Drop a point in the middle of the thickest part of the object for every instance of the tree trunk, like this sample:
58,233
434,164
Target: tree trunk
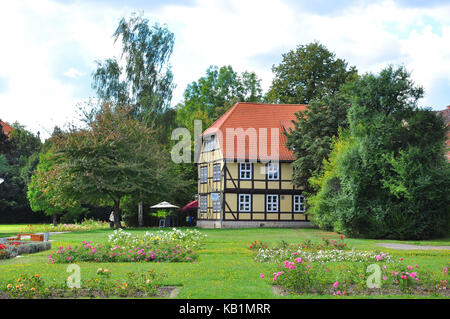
140,215
117,223
55,220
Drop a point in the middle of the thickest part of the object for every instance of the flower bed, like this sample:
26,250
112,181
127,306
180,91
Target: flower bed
271,255
115,253
337,271
162,246
301,277
141,284
85,225
189,239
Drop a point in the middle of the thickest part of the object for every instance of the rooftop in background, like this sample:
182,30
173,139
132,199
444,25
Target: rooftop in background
446,114
6,128
257,116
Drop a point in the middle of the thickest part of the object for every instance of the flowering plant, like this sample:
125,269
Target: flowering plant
189,239
277,255
28,287
258,245
3,254
333,244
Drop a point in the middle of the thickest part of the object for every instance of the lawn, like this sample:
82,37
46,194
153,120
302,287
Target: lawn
225,268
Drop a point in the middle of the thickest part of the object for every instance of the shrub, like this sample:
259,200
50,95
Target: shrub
16,248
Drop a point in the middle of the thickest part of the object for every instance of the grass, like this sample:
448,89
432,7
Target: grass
225,268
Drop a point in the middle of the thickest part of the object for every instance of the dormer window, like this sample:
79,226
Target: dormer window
210,143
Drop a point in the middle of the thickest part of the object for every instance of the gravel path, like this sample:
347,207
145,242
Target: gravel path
411,247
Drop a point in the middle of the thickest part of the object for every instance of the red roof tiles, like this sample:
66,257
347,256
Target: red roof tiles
253,130
6,128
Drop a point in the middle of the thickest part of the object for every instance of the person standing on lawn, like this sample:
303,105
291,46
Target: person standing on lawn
111,220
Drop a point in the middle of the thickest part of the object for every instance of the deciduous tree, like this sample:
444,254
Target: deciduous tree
309,72
113,157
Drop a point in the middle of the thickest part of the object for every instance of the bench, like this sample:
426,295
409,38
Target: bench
33,237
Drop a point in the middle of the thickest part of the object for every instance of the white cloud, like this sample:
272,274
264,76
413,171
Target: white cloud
38,35
73,73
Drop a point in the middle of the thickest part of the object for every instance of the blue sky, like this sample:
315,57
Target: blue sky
49,47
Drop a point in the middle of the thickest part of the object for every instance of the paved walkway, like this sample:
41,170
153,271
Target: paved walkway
411,247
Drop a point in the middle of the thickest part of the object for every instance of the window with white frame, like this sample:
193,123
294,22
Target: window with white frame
216,202
299,204
210,143
203,203
273,171
245,170
272,203
203,174
217,175
245,202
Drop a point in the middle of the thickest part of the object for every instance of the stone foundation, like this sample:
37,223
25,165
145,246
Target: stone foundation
252,224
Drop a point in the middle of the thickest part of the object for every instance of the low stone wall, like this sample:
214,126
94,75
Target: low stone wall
252,224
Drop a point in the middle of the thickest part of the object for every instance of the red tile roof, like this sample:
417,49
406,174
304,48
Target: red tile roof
256,119
6,128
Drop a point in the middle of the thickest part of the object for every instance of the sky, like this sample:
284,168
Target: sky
49,47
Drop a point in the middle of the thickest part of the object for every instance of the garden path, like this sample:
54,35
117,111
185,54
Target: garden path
410,247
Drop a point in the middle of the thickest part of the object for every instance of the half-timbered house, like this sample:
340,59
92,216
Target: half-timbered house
245,170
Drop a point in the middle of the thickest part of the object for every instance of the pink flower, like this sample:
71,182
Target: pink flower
378,257
384,278
69,258
445,269
401,259
261,275
296,253
336,284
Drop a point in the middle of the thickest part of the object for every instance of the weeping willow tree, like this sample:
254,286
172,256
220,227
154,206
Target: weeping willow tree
146,80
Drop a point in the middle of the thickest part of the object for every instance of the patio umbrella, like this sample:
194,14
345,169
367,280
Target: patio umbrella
164,205
191,205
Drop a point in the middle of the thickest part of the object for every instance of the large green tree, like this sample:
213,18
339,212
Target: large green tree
114,157
388,177
309,72
46,188
312,134
20,157
211,95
